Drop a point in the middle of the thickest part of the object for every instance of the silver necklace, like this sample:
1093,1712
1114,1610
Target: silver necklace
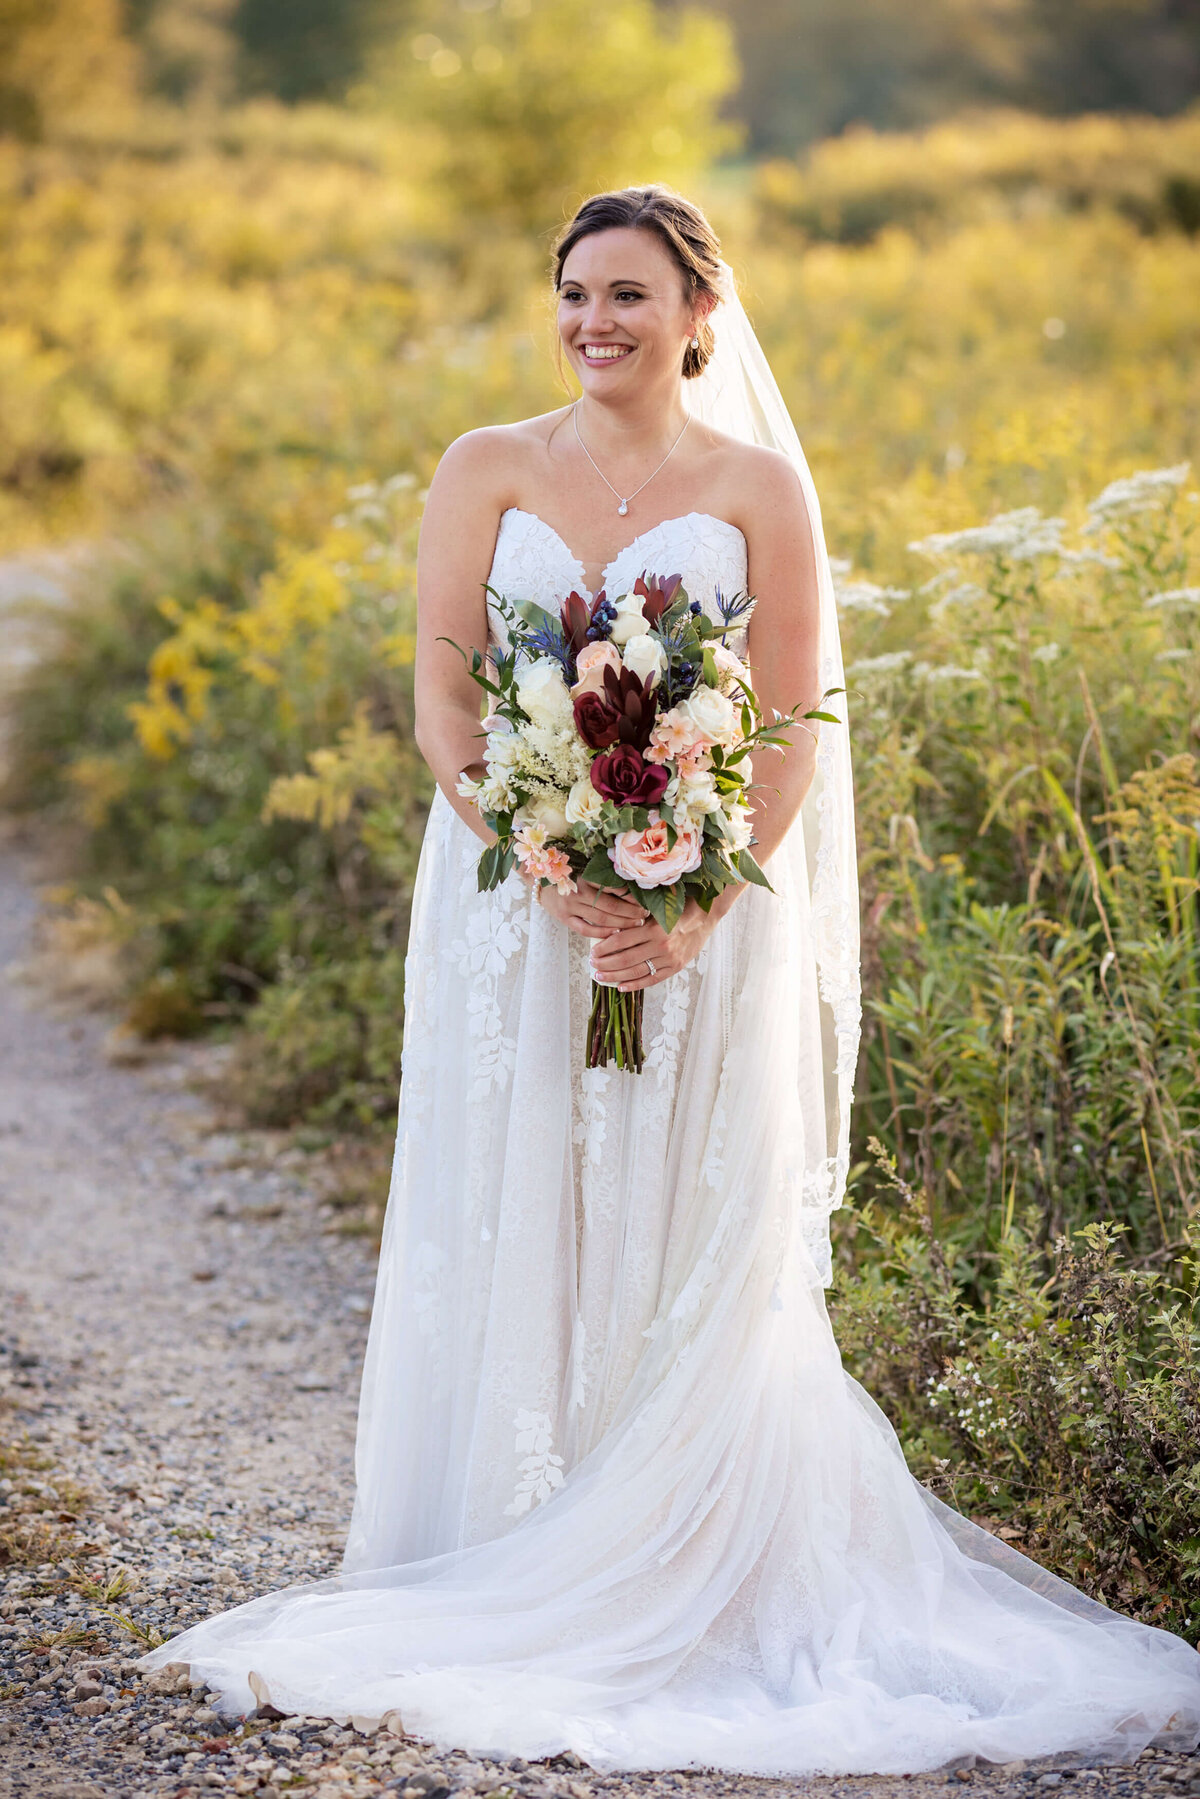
623,508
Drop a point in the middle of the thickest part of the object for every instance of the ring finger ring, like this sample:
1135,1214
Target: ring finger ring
650,966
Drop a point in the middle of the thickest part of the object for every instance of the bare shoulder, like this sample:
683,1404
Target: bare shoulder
760,481
490,460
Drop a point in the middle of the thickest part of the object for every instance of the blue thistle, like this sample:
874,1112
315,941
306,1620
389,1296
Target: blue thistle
733,611
548,640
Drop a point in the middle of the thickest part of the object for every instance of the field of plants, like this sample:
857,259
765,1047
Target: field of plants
232,347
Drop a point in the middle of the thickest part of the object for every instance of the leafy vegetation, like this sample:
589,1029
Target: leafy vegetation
233,342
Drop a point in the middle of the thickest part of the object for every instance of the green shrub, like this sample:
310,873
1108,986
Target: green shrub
1062,1408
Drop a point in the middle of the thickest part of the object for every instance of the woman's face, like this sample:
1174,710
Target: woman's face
622,315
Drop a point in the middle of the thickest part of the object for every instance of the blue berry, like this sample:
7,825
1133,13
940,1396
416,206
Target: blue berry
695,608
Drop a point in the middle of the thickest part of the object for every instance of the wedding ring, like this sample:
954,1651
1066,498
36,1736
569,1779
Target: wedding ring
650,966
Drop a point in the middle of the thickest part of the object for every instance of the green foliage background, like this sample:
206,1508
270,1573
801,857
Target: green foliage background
253,281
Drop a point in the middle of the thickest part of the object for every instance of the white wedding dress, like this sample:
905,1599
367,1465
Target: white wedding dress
616,1493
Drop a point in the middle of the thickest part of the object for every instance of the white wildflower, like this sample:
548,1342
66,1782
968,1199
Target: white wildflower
1144,491
1176,596
1047,652
947,671
1088,558
880,665
963,593
1019,535
867,596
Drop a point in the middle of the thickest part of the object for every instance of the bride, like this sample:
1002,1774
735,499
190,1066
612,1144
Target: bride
616,1493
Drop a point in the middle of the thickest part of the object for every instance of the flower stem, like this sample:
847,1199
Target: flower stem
615,1029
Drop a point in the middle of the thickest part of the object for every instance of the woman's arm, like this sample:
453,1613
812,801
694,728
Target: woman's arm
454,557
783,650
784,672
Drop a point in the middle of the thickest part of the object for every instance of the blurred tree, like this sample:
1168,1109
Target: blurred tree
189,52
811,67
58,57
534,103
312,49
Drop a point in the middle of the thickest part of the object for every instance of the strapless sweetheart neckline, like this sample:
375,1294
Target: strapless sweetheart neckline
641,537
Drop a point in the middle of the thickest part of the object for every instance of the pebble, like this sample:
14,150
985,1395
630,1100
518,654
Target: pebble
210,1424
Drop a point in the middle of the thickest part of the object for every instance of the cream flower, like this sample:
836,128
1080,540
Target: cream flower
584,805
698,793
543,694
630,621
503,751
729,668
644,656
550,814
741,827
712,713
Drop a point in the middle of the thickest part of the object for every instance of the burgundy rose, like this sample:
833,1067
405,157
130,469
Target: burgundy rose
597,720
625,777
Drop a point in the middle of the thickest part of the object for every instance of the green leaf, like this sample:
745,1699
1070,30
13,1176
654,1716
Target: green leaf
710,667
600,871
654,900
489,874
676,900
748,868
536,615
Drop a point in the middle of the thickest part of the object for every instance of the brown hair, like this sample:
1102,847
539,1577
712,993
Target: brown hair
681,226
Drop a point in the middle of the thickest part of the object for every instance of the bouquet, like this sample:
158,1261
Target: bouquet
618,751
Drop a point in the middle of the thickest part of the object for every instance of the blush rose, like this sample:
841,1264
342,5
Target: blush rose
645,857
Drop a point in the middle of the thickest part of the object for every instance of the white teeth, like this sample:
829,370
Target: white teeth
605,353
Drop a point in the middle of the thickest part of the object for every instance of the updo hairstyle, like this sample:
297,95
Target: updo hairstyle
681,226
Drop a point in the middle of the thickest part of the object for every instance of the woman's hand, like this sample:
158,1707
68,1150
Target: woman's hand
592,911
623,957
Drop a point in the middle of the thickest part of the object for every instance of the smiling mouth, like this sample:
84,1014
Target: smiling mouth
605,352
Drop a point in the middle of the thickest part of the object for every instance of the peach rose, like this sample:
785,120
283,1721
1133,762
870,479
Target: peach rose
590,665
645,858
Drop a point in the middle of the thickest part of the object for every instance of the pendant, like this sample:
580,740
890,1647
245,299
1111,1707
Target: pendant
623,508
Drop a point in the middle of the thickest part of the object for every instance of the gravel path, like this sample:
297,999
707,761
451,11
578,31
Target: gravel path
180,1338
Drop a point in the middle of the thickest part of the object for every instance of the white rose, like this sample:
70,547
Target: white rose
543,694
584,804
711,713
550,813
630,620
644,656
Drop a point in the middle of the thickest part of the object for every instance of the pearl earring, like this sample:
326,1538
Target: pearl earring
695,343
